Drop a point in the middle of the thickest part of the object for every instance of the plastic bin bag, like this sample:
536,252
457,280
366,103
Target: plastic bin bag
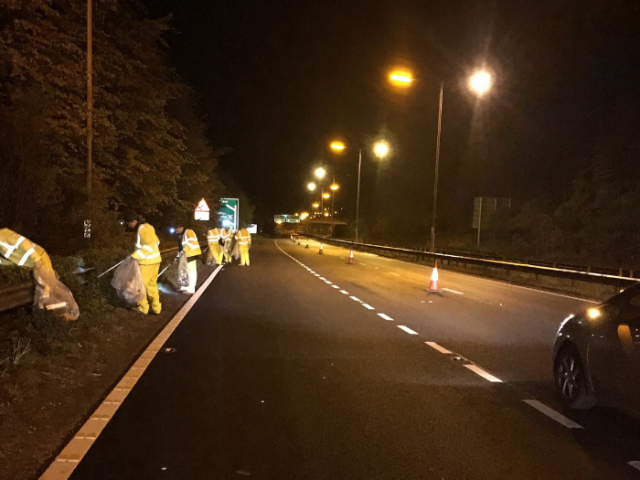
183,272
127,280
236,251
51,294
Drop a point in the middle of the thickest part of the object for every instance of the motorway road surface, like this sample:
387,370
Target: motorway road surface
304,367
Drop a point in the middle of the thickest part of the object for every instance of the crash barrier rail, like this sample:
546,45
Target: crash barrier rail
20,294
574,274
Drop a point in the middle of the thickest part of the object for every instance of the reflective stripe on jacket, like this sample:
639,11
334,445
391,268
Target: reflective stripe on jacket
227,234
17,249
190,243
214,235
147,244
244,237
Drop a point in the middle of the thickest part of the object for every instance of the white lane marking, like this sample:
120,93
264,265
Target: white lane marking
316,274
335,286
394,273
483,373
321,278
635,464
328,282
367,306
541,407
355,299
344,292
385,316
437,347
407,329
363,264
69,458
453,291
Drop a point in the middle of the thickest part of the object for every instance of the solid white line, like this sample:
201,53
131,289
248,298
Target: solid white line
344,292
484,374
355,299
541,407
407,329
635,464
367,306
69,458
452,291
437,347
555,294
385,316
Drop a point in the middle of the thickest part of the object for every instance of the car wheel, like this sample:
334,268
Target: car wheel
570,379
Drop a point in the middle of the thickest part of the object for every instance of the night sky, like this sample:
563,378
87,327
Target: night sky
276,80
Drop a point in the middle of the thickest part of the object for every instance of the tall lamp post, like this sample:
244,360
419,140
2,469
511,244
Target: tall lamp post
479,83
380,149
334,187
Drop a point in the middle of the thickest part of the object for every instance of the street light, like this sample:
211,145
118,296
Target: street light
380,150
479,83
337,146
311,186
320,173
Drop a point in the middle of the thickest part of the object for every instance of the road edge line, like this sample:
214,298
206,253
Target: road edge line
74,451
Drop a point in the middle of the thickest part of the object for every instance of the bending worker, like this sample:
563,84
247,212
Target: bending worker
148,256
22,252
244,242
214,237
227,239
188,243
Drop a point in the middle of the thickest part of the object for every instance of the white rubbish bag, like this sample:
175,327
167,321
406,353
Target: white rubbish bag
51,294
127,280
183,272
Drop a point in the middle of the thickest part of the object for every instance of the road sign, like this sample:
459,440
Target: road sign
202,211
229,212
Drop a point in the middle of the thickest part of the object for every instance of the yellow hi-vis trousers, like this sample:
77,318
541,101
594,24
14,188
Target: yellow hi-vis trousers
150,280
244,254
216,251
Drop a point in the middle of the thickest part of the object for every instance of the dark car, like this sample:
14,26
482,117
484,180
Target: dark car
596,356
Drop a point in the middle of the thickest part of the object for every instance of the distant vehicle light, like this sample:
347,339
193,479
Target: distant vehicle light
593,313
172,230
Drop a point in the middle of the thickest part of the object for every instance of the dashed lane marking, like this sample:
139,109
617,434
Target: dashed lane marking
355,299
483,373
385,316
635,465
407,329
549,412
344,292
453,291
73,453
367,306
439,348
335,286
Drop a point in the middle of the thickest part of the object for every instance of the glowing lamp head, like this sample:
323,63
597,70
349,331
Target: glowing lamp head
400,78
337,146
311,186
320,172
326,196
334,187
316,205
381,149
480,82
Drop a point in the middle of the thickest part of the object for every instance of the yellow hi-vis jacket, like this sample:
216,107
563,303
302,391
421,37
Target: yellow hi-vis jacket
147,245
18,250
227,233
190,244
214,235
243,236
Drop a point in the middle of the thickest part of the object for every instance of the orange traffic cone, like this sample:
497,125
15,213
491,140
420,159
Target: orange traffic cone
433,286
320,251
307,243
298,241
351,257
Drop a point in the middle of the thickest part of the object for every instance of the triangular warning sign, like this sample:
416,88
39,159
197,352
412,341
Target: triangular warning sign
202,206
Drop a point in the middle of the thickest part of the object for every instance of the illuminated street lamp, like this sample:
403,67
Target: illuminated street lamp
311,186
337,146
479,83
326,196
380,149
316,205
320,173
